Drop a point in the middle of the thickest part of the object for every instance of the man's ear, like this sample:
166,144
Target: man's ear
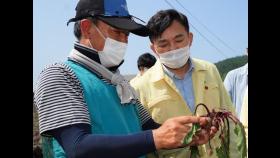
85,26
190,38
152,46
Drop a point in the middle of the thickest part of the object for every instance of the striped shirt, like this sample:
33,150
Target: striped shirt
59,99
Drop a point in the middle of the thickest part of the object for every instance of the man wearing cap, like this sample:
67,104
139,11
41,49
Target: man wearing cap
88,107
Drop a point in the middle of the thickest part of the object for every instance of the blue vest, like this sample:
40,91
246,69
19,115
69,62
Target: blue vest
107,114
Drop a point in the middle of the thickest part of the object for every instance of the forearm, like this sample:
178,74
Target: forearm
79,143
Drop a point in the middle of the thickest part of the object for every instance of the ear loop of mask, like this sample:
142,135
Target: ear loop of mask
90,44
98,32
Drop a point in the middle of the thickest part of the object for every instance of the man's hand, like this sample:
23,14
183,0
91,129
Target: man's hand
204,135
173,131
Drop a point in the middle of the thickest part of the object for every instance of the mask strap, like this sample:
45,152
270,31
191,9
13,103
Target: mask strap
99,31
90,44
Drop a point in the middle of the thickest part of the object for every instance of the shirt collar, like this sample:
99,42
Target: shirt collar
172,75
158,72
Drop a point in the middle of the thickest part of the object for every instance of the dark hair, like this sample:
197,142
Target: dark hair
163,19
146,60
77,28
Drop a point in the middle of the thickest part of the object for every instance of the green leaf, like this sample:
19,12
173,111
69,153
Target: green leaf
236,131
194,152
189,136
221,152
241,140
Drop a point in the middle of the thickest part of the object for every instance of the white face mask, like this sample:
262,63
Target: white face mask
175,58
113,51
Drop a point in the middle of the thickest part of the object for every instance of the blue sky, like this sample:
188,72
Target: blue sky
227,19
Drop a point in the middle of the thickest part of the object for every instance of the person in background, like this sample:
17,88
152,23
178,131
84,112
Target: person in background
144,62
236,83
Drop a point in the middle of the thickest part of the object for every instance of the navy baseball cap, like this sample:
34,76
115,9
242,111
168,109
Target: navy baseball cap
112,12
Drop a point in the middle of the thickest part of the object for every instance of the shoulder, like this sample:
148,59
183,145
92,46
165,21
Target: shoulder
238,71
56,70
133,81
202,65
56,77
144,79
58,97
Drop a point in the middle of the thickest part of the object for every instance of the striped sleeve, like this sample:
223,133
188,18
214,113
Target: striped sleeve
59,99
143,113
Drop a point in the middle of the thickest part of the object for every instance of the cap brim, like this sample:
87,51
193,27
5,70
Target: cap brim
127,24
